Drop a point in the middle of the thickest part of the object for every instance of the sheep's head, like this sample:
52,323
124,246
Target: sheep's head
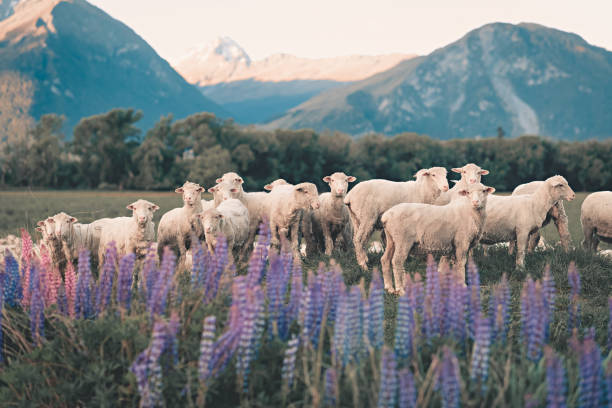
277,182
437,175
233,180
142,211
338,183
470,173
560,189
224,191
306,195
192,193
47,230
477,193
211,223
62,225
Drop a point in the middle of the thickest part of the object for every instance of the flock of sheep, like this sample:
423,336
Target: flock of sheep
416,216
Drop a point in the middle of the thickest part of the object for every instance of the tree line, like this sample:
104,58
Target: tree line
110,151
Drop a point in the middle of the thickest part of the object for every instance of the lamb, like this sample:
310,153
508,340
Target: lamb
285,204
556,214
470,174
217,198
175,226
230,219
331,220
596,219
131,234
451,229
514,218
277,182
368,200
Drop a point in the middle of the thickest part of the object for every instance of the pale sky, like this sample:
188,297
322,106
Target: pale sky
326,28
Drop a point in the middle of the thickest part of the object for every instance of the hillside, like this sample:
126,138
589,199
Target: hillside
526,78
80,61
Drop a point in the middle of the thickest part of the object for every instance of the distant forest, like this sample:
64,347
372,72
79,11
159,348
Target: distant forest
109,151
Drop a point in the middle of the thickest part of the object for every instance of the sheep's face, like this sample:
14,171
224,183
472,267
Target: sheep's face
306,195
47,229
142,211
62,225
338,183
211,222
192,193
477,193
471,173
275,183
233,180
224,191
560,189
437,175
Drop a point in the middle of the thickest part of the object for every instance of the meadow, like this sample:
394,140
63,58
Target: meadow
325,334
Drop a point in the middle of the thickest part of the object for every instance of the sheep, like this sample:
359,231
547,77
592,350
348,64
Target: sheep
75,236
284,205
277,182
470,174
331,220
514,218
556,214
175,226
131,234
230,219
217,198
451,229
596,219
369,199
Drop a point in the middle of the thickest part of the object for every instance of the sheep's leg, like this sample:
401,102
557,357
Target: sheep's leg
347,237
534,239
399,259
511,246
360,240
274,235
385,262
248,245
590,242
460,261
329,243
561,222
522,239
308,234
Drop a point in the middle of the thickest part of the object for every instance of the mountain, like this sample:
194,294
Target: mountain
258,90
526,78
72,58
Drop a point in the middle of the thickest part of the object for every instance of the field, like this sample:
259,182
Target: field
84,359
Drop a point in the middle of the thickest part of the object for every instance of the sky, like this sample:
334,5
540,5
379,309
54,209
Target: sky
327,28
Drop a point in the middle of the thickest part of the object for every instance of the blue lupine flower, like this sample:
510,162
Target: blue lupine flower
37,307
590,388
555,380
404,329
449,380
288,370
499,310
387,393
574,306
83,303
124,281
206,348
407,389
248,332
330,398
104,290
481,352
474,306
610,334
376,311
12,280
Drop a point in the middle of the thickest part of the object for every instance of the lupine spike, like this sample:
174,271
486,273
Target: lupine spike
82,305
105,286
449,380
574,305
288,370
206,348
376,312
404,329
12,280
70,283
248,332
407,389
37,314
387,393
610,334
481,352
590,388
1,333
474,306
124,281
555,380
26,263
331,388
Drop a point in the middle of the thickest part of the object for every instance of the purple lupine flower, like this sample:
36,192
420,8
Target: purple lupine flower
62,300
307,308
474,306
317,305
549,291
206,348
275,291
225,347
481,352
610,334
103,292
447,279
590,388
37,307
292,310
448,379
331,395
12,280
534,318
1,333
354,339
158,299
407,389
197,262
257,262
83,303
288,370
433,300
608,380
338,348
387,393
455,316
376,311
417,294
171,344
499,310
247,341
555,380
574,306
124,281
404,328
336,286
147,369
149,273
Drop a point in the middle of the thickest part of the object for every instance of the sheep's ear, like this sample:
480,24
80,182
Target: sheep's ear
179,190
50,220
490,190
72,219
457,170
239,180
200,189
422,172
212,189
131,207
154,207
327,179
463,192
483,172
268,187
40,223
350,179
219,180
39,229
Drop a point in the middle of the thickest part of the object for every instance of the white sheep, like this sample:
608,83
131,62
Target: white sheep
230,219
368,200
285,204
514,218
175,226
131,234
596,219
446,230
331,221
470,174
277,182
556,214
